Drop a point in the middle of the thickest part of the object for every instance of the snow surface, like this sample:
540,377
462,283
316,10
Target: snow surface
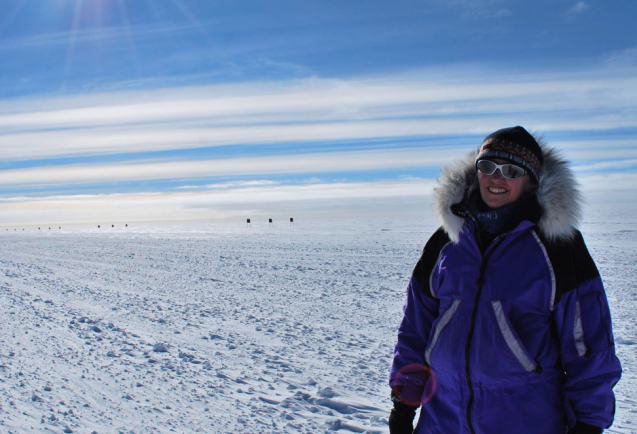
229,329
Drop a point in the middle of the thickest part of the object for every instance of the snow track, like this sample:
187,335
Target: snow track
227,329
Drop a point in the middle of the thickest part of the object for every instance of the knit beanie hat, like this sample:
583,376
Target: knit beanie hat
515,145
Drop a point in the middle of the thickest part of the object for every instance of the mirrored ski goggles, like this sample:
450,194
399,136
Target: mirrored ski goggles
509,171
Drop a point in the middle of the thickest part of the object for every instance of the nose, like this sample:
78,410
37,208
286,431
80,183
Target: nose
497,173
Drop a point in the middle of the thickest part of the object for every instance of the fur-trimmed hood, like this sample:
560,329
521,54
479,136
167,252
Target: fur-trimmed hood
557,194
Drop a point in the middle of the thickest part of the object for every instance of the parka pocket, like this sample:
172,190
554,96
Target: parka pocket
512,340
440,325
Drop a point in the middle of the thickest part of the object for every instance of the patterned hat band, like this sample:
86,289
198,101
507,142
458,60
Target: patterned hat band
520,155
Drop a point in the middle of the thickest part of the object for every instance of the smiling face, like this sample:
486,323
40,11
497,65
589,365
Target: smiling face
498,191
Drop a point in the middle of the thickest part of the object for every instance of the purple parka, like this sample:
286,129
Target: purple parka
514,338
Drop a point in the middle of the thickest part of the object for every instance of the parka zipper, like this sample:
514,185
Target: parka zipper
474,314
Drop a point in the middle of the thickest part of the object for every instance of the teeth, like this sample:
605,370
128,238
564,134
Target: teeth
496,190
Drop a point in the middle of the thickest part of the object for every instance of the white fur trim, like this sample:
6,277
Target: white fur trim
557,193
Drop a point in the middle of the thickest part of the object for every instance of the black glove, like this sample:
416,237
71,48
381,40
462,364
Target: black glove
582,428
401,418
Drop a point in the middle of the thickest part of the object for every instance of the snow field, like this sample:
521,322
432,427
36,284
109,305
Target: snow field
222,328
283,329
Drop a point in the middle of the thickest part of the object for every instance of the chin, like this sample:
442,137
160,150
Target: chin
497,203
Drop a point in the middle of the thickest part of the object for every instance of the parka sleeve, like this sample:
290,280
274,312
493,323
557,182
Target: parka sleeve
420,310
583,323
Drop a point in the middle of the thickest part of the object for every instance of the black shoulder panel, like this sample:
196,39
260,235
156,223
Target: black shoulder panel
584,265
572,264
429,258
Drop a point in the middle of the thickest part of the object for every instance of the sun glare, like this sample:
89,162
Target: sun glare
99,10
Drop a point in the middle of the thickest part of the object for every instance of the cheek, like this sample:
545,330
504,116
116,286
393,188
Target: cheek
517,189
482,180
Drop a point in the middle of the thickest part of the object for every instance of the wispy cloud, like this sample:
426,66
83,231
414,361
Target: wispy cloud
424,105
502,13
578,8
609,187
407,197
119,34
230,185
584,152
298,69
304,201
314,110
622,58
313,180
211,115
607,165
280,164
476,9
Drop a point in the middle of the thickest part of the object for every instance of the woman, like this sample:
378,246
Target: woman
506,326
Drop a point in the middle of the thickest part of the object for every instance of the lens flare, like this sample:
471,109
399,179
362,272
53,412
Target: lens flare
419,384
70,51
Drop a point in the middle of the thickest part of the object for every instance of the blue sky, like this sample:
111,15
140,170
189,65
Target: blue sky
175,110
